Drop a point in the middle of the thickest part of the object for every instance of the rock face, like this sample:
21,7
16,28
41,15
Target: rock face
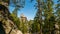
7,26
2,31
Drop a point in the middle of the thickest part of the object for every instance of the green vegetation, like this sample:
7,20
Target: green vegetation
45,9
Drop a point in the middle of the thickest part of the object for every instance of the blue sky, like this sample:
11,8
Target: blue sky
29,10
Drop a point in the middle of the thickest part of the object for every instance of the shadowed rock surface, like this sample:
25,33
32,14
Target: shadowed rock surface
2,31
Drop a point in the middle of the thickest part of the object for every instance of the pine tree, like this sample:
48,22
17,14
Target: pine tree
38,17
49,21
18,4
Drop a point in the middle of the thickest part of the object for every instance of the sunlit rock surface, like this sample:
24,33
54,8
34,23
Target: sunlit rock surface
18,32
